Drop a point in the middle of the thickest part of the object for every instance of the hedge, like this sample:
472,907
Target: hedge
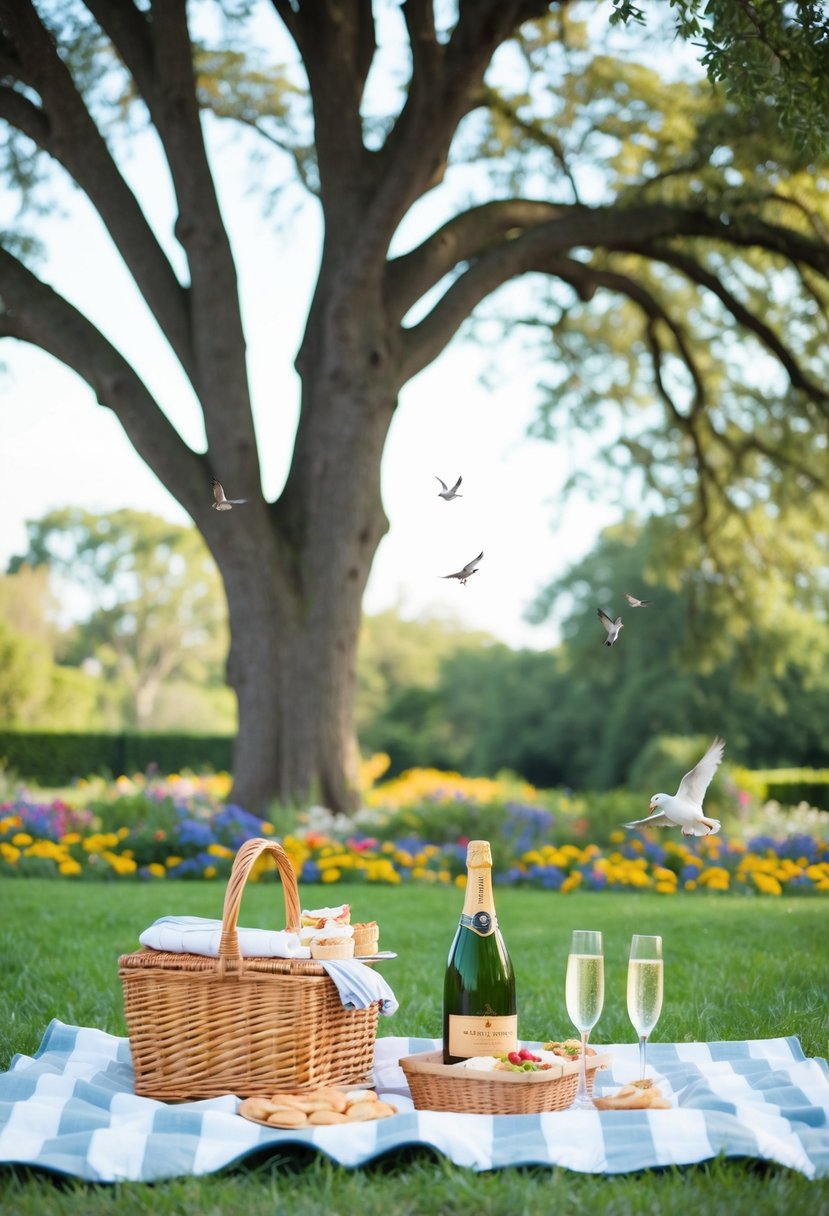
57,758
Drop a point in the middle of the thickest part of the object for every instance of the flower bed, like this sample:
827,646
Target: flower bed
154,828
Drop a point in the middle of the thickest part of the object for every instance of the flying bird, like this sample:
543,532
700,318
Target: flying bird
635,603
468,570
448,494
684,808
221,503
614,628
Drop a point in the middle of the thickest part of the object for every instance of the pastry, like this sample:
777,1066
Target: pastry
317,918
366,938
633,1097
332,947
318,1108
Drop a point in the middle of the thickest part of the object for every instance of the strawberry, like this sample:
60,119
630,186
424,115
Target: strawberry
515,1057
526,1054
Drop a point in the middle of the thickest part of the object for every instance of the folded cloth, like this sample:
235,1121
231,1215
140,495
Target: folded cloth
360,986
200,935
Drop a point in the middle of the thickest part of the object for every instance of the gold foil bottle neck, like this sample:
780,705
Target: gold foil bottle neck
478,854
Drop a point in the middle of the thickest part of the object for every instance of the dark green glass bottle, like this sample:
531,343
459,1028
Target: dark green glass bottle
479,1012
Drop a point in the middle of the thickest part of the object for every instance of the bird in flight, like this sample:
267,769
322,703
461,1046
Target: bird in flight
448,494
614,628
468,570
220,502
635,603
684,808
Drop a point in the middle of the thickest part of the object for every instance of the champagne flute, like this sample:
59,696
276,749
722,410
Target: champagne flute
645,981
584,994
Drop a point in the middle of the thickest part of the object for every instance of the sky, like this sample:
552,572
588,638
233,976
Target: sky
58,447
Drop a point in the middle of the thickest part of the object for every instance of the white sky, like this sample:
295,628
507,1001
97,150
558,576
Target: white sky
58,447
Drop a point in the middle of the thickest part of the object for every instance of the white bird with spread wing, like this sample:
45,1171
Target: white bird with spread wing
614,628
221,503
684,808
446,493
467,572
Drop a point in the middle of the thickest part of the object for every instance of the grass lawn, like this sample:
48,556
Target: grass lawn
735,967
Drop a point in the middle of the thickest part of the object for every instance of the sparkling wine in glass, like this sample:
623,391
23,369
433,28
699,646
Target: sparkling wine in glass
584,994
645,982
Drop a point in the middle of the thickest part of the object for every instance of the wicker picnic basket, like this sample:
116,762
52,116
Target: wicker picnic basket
438,1086
199,1027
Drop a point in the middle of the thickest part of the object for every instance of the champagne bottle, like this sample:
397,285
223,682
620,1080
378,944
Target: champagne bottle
479,1014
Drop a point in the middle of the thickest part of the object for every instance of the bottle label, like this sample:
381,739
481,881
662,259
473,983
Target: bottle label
488,1035
482,923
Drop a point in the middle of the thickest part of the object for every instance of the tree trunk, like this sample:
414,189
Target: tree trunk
295,597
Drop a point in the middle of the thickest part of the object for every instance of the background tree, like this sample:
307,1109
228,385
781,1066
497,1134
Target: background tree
731,241
36,689
154,608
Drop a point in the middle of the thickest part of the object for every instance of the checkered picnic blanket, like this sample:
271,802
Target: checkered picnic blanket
70,1108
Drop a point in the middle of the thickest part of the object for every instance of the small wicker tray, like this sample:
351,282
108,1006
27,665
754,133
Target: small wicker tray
438,1086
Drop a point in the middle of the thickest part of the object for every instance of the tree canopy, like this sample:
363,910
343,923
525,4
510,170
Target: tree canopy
675,237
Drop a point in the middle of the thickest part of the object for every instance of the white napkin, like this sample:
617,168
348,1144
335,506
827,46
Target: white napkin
360,986
199,935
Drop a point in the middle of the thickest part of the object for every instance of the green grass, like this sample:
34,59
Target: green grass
734,968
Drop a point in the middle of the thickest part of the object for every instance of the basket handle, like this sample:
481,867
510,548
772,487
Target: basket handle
248,854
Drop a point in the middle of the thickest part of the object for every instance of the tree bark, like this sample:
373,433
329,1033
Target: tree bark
295,619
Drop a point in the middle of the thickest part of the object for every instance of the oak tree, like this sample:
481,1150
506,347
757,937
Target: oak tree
638,226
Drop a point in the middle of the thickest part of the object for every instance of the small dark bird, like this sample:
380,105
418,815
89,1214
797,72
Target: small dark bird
221,503
468,570
613,628
448,494
635,603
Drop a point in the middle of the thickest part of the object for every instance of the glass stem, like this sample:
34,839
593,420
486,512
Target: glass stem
582,1091
643,1043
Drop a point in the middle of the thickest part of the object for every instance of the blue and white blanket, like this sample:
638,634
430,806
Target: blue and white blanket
71,1109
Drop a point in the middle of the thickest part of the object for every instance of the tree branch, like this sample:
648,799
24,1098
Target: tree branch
157,50
65,130
33,312
638,229
411,275
337,43
697,273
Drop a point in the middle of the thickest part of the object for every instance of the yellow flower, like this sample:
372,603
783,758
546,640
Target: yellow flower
21,838
9,853
767,884
661,874
157,870
219,850
173,861
616,837
571,882
70,838
69,867
666,888
332,875
460,881
690,884
121,865
209,872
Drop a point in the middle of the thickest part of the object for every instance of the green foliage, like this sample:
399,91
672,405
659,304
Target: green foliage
789,786
155,607
58,758
767,51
